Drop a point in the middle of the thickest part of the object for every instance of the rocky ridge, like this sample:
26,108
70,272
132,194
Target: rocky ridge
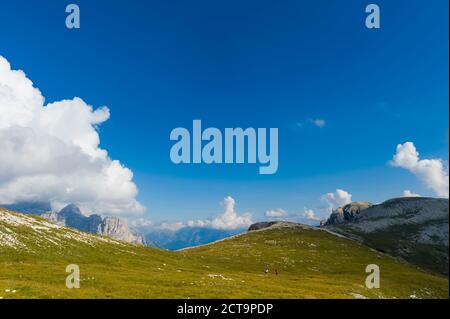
71,216
415,229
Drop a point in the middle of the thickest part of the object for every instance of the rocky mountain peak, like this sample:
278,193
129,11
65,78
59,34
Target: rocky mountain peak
414,229
118,228
346,213
72,216
70,210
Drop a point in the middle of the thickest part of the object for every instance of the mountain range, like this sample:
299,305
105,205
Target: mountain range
171,239
413,229
187,237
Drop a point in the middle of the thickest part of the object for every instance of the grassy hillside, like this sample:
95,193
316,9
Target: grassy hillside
415,229
310,264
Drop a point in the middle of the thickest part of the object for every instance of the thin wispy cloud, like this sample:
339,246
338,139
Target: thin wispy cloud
408,193
318,122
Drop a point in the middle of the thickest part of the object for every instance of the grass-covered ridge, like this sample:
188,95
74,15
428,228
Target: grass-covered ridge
310,264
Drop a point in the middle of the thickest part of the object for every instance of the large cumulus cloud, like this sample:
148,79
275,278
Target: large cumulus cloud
50,152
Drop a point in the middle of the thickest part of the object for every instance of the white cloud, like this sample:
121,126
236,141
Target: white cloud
141,223
198,223
51,152
306,216
228,220
408,193
431,172
337,199
171,226
309,122
276,213
309,214
319,122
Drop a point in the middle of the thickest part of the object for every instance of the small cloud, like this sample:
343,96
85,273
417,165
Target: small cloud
141,224
408,193
276,213
431,172
337,199
319,122
309,214
171,226
198,223
309,122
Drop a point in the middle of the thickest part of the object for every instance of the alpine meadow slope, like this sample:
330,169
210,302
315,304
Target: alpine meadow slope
284,262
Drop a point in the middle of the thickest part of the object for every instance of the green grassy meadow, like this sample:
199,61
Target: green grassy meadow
302,263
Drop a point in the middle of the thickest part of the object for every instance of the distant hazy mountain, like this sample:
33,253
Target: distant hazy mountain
71,216
414,229
187,237
34,208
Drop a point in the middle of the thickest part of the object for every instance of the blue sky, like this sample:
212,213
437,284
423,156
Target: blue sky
160,65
